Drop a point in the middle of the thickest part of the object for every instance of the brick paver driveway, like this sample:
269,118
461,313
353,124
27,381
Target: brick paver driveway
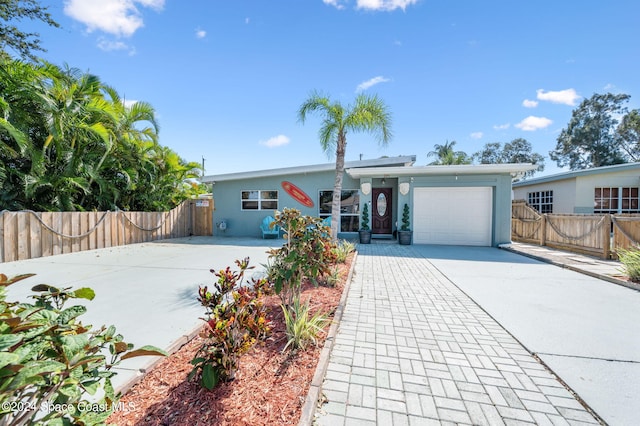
412,348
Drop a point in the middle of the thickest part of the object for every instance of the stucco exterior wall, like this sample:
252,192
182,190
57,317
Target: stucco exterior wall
576,194
500,184
246,223
585,187
564,194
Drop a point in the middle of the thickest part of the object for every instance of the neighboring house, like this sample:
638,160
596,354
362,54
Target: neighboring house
458,205
610,189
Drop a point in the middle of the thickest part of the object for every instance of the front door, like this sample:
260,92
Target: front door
381,211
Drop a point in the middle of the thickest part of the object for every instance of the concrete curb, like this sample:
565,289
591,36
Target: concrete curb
315,389
573,268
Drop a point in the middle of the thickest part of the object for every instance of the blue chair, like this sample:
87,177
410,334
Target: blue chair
327,221
268,229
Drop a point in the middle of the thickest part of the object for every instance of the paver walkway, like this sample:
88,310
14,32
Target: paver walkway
412,349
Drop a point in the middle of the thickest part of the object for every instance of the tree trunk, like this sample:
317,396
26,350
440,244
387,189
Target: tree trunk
337,187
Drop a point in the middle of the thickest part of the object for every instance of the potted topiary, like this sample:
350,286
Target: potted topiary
405,234
365,232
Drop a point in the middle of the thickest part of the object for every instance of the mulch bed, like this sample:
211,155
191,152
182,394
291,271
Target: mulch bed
269,388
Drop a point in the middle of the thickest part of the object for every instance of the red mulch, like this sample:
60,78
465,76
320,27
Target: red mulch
270,386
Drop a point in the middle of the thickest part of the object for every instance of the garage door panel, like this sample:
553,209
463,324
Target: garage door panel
454,216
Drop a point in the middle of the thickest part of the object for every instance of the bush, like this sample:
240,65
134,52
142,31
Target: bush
301,328
308,253
235,320
342,250
50,361
630,259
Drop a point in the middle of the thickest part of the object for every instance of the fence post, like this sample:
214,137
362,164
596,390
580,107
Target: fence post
543,229
606,237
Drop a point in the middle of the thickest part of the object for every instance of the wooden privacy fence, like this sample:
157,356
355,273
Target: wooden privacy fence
593,234
27,234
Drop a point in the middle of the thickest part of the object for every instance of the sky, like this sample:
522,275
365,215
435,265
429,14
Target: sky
227,78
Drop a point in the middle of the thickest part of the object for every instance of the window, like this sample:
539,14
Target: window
259,200
349,208
541,201
616,200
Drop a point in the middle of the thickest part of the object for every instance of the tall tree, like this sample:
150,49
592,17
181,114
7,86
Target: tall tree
367,114
11,37
590,138
629,134
68,142
446,156
517,151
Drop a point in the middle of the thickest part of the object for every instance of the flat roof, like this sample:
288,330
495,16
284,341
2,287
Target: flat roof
402,160
467,169
576,173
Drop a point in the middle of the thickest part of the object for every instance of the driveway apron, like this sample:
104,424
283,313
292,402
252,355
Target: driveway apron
413,349
585,329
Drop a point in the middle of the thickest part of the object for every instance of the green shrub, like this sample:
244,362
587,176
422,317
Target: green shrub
50,361
342,250
364,222
302,328
630,259
308,253
236,318
405,218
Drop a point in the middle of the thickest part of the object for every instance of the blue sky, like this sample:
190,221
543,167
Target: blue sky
227,77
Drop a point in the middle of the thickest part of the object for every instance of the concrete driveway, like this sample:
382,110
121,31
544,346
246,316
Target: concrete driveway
148,291
585,329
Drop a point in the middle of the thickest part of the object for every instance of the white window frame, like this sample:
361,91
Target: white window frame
542,201
618,200
351,214
259,200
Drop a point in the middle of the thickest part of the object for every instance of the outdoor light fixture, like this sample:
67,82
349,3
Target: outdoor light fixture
383,181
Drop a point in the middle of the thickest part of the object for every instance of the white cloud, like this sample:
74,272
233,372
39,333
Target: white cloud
121,18
528,103
247,20
502,126
476,135
112,45
201,33
334,3
275,141
386,5
566,97
609,87
129,102
533,123
371,82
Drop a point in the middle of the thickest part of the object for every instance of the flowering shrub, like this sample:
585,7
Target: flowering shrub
236,318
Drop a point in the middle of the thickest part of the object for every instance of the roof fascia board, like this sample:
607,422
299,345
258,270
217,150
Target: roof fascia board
578,173
479,169
405,160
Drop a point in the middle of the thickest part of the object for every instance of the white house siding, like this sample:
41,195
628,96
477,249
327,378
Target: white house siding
586,185
564,194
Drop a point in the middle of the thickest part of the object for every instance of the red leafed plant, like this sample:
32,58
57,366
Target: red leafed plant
236,318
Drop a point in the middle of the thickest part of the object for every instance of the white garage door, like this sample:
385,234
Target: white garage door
452,216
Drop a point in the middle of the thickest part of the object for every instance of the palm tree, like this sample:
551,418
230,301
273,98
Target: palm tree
367,114
446,156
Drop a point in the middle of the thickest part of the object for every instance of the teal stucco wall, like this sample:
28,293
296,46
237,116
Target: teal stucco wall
500,184
246,223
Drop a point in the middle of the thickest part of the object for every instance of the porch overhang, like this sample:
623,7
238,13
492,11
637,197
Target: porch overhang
514,170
